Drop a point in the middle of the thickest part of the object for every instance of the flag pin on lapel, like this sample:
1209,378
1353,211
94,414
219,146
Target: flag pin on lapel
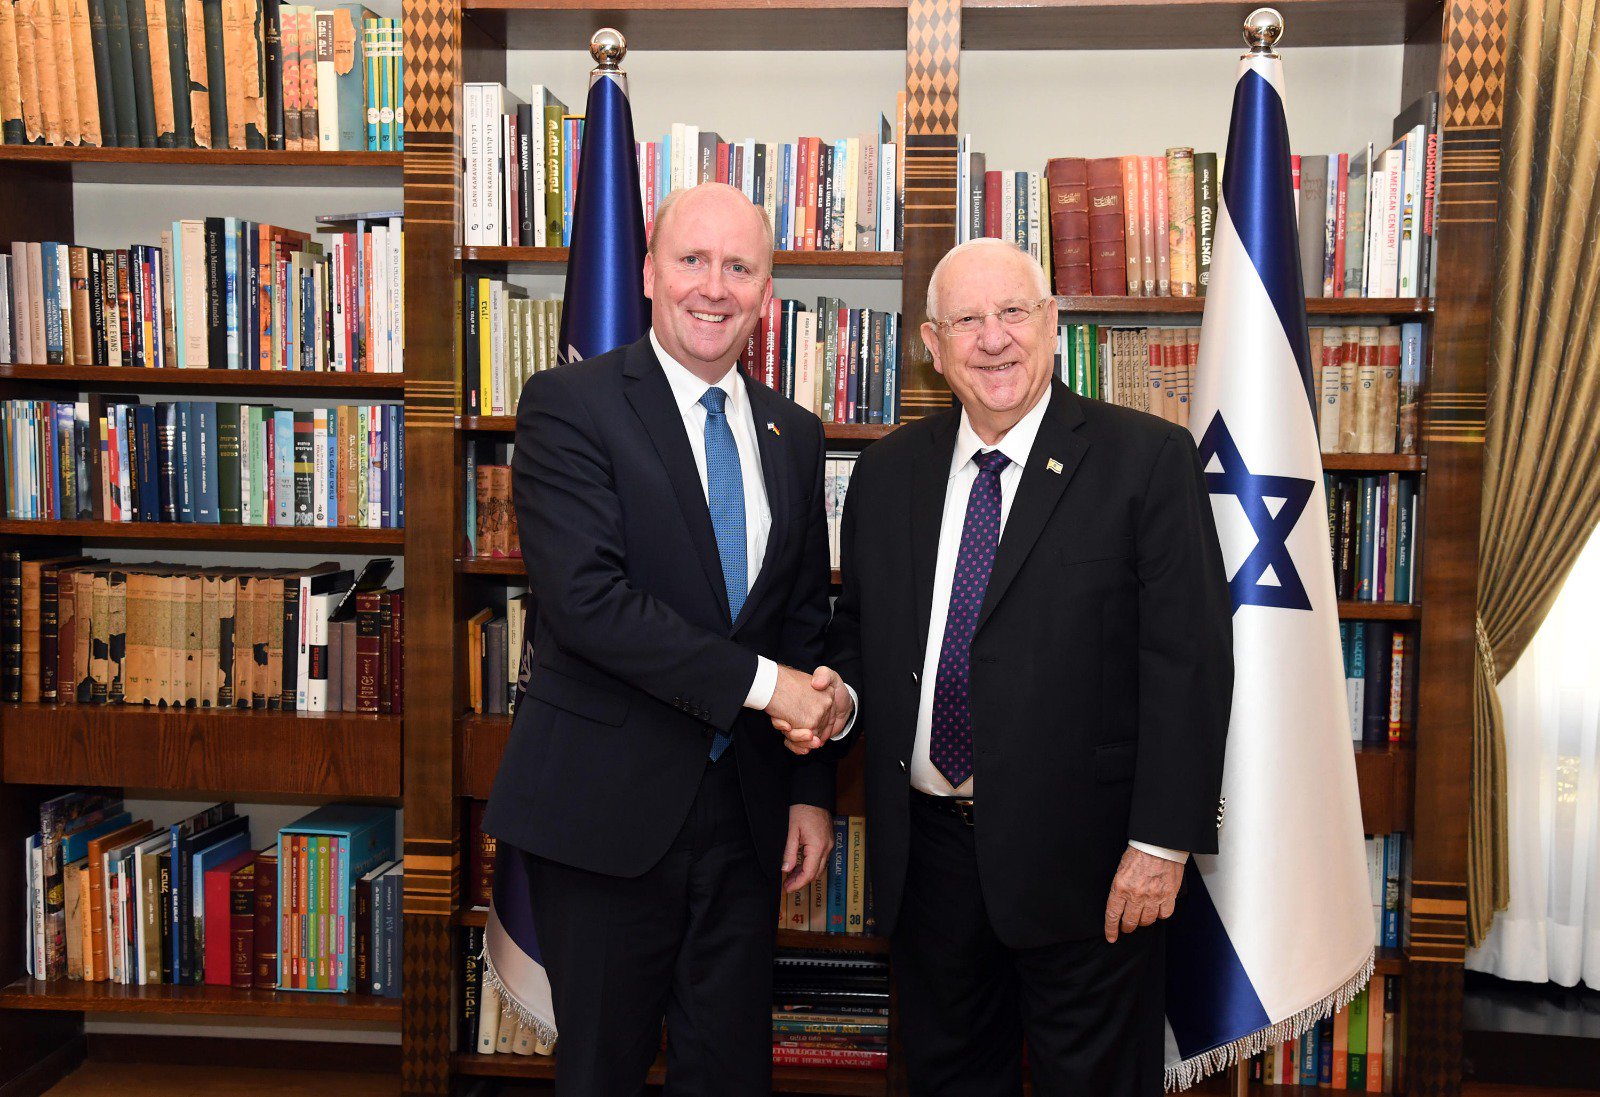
773,427
1053,465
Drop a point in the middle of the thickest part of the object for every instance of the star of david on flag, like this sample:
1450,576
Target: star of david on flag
1274,932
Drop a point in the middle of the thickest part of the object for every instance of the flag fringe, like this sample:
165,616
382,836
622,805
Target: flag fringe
541,1030
1186,1073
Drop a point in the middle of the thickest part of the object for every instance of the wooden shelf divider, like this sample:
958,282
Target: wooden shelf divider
192,534
817,1081
214,1001
224,751
1194,306
240,380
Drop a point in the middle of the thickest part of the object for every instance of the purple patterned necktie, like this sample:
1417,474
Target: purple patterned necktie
951,745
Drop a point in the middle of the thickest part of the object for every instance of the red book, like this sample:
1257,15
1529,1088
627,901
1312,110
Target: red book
264,942
802,162
242,923
829,1057
480,856
397,652
1334,286
813,168
991,203
369,648
771,328
218,926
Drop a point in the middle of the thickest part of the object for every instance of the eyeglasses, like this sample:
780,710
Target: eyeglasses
968,323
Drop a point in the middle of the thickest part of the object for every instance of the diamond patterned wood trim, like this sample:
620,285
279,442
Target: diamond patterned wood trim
1474,63
427,1005
933,65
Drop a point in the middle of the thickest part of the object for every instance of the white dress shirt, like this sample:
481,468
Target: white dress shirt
1017,445
687,389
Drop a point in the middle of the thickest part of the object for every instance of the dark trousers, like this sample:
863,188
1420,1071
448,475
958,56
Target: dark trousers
690,941
1092,1013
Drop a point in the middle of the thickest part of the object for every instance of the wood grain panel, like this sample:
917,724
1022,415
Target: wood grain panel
1193,306
230,752
279,382
817,1081
215,1001
200,534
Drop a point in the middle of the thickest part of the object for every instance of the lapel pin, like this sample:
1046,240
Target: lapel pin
1053,465
773,427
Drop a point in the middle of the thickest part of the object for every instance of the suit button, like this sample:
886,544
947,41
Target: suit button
902,765
914,679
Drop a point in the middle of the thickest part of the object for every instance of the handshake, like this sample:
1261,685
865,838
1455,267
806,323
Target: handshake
809,709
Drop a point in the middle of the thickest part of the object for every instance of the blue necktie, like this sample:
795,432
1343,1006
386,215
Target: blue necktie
950,744
725,495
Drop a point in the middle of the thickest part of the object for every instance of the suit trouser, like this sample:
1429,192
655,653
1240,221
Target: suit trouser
1092,1013
691,940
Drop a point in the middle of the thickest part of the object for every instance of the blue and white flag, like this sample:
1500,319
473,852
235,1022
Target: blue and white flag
1274,932
604,308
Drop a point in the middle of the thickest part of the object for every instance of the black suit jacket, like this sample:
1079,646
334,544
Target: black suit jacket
1102,667
635,659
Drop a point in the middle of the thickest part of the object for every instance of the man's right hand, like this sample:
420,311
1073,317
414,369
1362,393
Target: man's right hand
797,704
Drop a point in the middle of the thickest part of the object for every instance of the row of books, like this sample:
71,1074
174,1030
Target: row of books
1369,387
255,74
114,899
841,364
1372,522
497,655
838,901
506,338
217,292
1386,876
1358,1049
1367,218
491,519
1008,205
205,462
1380,679
835,486
830,1008
77,630
1148,369
488,1023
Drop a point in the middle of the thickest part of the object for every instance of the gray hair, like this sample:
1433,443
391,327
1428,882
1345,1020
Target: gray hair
665,206
1041,283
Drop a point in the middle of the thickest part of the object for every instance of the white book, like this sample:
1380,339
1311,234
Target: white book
1393,166
20,305
488,1016
395,309
472,184
1377,201
373,469
327,85
247,460
805,354
1008,206
886,204
769,194
851,179
791,187
489,122
378,331
196,350
675,168
317,647
1328,408
1414,156
124,472
539,97
36,933
1034,232
747,170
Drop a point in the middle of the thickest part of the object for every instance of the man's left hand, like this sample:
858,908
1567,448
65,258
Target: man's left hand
810,842
1145,888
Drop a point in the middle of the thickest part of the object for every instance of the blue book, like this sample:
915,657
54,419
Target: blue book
148,493
836,880
362,838
282,471
1392,845
472,498
75,846
203,435
167,463
183,457
177,292
250,305
55,346
232,289
781,229
391,450
306,338
181,837
1308,1057
400,466
63,417
1325,1053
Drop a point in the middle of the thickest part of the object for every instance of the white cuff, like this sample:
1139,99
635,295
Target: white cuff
1162,852
765,684
855,710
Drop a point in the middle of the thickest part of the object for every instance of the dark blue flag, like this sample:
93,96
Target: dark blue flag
604,304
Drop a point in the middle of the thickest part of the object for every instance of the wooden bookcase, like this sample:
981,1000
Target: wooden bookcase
252,757
1456,47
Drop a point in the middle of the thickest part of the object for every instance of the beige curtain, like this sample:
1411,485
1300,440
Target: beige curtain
1541,480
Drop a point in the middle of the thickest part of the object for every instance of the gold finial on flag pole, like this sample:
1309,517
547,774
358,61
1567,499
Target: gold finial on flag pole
1262,29
608,48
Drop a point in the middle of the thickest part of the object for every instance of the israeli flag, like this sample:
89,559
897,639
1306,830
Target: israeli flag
1274,932
604,308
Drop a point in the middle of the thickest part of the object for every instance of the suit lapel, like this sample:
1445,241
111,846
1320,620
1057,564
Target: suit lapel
1057,452
774,454
652,401
930,477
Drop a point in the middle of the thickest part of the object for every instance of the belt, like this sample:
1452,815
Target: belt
949,805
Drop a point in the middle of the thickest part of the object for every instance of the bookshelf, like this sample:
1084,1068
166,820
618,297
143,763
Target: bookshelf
275,764
1418,786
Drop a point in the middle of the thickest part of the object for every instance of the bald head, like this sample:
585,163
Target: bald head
984,252
717,200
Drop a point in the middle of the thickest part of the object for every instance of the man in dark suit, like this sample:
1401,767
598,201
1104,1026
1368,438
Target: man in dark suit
671,516
1036,617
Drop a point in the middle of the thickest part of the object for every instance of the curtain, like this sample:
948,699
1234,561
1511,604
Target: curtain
1550,932
1541,483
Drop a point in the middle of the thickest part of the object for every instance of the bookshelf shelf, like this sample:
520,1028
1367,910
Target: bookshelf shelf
832,264
228,752
1148,24
196,534
491,565
1194,306
213,1001
1380,611
682,24
833,942
226,167
1374,462
230,380
819,1081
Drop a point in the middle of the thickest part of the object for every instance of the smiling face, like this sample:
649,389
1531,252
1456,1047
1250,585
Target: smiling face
708,277
1000,371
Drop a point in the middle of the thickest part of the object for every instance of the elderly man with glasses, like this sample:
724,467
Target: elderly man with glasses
1036,617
